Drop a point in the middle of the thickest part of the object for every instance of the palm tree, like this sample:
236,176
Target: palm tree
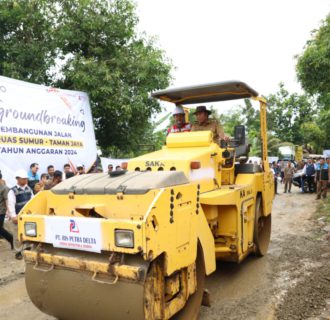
273,145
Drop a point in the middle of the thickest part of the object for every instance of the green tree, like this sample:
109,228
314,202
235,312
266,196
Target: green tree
27,44
323,122
313,135
287,112
91,46
252,123
312,68
314,64
251,115
273,145
230,119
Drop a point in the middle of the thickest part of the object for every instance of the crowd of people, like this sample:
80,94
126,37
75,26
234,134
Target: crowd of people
312,173
28,184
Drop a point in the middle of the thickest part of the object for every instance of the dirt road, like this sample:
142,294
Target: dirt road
291,282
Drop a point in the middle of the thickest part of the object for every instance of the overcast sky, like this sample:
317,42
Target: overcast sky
254,41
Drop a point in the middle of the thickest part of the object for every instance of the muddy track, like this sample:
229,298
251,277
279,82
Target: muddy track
13,277
291,282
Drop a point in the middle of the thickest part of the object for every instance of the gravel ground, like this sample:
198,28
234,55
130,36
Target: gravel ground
292,281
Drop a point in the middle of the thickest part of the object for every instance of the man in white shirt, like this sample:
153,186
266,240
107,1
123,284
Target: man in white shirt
308,174
66,171
19,195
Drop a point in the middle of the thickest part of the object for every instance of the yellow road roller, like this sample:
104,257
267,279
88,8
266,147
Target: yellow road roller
138,243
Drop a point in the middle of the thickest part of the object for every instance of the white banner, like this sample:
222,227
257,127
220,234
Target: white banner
74,233
44,125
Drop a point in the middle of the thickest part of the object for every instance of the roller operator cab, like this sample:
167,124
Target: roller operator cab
137,244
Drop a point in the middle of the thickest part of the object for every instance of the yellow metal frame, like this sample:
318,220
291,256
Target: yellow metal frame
263,131
96,267
214,210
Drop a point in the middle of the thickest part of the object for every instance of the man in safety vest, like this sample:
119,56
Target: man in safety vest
309,174
180,124
322,178
19,195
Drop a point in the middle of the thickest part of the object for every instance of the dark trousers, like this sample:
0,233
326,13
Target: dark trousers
302,183
310,181
275,184
322,188
3,232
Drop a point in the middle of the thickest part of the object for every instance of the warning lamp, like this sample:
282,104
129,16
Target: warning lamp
124,165
195,165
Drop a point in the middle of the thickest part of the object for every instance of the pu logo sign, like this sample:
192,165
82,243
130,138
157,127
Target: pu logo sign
73,226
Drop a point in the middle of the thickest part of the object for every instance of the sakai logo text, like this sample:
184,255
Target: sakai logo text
154,164
73,226
244,193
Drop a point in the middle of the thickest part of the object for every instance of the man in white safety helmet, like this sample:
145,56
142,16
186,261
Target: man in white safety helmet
19,195
180,124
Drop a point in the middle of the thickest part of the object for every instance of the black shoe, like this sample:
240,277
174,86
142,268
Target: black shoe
289,191
18,255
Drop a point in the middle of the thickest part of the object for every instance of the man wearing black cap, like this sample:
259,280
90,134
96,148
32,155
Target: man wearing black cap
204,123
80,170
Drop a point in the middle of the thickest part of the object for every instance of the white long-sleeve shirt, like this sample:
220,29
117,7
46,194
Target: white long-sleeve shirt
12,200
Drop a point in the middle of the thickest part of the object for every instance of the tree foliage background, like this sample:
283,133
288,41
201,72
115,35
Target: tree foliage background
313,64
92,46
292,118
313,71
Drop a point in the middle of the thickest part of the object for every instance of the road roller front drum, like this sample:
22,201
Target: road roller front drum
77,294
